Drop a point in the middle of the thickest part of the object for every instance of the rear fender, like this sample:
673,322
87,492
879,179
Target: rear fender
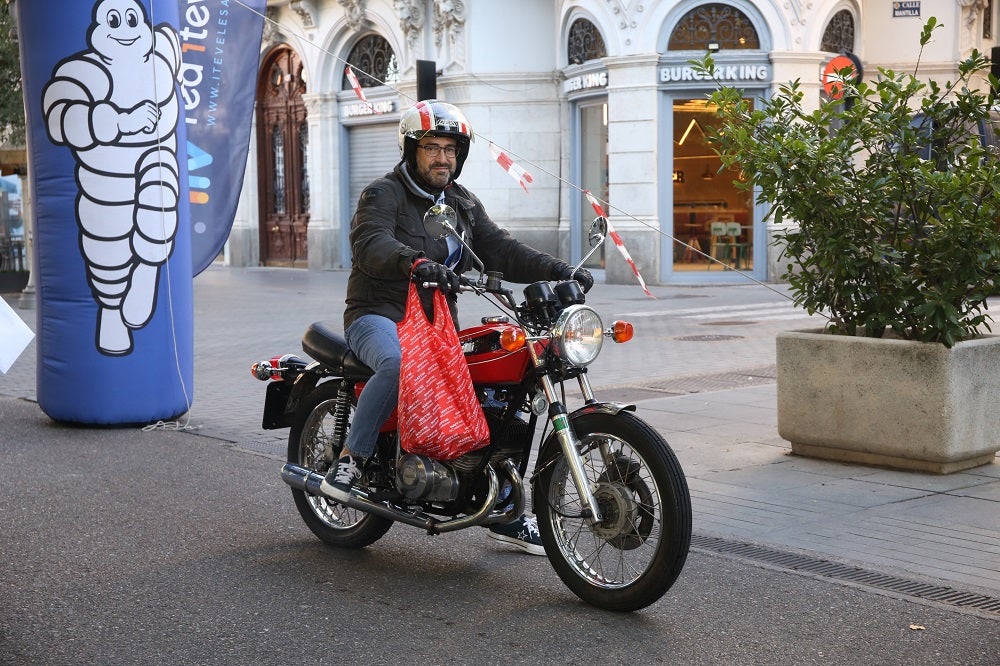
284,397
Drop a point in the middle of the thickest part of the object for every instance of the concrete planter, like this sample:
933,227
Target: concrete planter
894,403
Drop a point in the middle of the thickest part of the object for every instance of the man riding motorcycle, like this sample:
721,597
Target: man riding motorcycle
387,237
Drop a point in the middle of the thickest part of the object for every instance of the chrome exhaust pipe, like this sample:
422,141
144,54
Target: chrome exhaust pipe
309,481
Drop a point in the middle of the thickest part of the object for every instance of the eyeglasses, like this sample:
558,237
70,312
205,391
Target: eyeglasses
433,150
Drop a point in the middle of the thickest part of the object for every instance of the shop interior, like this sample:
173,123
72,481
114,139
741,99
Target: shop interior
712,218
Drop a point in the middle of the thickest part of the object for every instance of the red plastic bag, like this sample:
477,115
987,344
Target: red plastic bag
438,413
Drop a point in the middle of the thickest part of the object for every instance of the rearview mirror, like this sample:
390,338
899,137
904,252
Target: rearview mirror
440,220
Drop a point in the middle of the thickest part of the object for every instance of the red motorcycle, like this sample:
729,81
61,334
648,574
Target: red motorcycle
613,507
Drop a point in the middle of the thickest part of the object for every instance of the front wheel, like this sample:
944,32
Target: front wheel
632,556
314,443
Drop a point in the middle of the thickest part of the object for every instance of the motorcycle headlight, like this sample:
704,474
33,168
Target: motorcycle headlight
577,335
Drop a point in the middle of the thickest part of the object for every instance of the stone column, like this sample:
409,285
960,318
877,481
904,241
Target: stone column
634,181
324,174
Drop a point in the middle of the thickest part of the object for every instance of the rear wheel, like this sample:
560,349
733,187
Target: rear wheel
632,556
314,442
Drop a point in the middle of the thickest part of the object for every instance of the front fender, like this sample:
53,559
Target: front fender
602,408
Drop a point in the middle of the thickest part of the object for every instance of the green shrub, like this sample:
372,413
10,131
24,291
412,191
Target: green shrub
895,198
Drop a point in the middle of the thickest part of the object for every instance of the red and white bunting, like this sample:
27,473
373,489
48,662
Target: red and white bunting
596,205
353,78
511,167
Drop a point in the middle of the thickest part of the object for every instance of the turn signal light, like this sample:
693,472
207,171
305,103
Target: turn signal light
512,338
621,331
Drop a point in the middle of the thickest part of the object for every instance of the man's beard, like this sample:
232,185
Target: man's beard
435,179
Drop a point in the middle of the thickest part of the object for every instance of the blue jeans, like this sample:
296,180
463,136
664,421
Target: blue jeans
374,340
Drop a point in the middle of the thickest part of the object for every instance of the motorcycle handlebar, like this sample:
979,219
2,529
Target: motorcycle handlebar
435,285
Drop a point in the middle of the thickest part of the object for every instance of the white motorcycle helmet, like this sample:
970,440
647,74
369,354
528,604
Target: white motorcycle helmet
433,117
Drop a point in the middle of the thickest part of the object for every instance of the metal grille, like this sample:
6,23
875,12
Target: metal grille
373,61
839,34
847,573
585,42
716,24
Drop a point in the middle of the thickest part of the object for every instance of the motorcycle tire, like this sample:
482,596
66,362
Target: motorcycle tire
635,553
310,446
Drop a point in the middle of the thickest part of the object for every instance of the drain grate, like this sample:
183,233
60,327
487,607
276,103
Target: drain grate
718,382
847,573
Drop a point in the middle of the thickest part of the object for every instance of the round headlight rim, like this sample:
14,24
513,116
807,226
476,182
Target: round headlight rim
559,329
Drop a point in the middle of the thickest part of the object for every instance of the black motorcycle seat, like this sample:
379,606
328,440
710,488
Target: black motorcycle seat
323,342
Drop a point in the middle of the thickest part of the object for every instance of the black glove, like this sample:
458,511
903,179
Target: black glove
582,276
435,273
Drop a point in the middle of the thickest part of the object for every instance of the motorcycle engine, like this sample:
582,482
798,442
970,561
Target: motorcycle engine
421,478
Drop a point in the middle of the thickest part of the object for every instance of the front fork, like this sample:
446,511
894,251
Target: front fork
570,444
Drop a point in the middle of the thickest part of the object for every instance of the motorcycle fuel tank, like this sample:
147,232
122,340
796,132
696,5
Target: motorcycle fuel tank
489,362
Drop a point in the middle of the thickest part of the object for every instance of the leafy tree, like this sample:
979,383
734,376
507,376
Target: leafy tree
11,101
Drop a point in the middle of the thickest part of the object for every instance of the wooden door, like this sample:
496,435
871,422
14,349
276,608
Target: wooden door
282,144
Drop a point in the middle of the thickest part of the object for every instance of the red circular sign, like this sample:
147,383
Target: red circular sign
832,82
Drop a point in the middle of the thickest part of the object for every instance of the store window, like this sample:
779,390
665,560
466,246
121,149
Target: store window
593,123
712,219
711,216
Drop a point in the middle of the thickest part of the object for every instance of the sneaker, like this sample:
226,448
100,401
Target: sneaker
339,480
522,533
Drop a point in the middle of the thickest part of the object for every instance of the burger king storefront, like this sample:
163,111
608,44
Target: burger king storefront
718,226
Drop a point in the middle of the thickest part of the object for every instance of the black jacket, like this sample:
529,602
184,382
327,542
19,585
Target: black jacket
387,234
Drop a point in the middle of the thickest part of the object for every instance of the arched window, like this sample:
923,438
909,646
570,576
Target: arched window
714,26
584,43
839,34
374,63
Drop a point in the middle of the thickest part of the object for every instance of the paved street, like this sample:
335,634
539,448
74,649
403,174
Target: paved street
814,553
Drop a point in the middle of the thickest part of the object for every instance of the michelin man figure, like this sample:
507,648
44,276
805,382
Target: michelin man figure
115,106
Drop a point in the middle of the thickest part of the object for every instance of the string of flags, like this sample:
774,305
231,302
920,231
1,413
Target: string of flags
353,79
595,204
511,167
524,178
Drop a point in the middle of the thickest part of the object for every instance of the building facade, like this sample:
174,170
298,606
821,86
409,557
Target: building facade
594,95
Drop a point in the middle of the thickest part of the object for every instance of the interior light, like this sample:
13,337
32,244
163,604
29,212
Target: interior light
687,131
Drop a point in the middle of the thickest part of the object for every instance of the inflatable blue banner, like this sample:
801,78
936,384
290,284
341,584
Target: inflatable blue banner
115,330
220,47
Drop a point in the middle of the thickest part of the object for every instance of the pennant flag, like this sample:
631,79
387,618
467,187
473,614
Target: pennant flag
218,61
353,78
511,167
595,204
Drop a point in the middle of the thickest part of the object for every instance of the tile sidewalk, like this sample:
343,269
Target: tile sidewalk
745,485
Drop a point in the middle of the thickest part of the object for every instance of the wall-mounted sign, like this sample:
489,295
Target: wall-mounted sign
356,109
682,73
833,80
585,82
905,8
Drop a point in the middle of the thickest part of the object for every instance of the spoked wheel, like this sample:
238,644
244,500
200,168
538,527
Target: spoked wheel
314,443
633,555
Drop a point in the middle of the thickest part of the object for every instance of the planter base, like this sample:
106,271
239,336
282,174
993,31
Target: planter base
892,403
893,462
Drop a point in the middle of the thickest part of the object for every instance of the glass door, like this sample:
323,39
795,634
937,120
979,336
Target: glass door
711,218
593,171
